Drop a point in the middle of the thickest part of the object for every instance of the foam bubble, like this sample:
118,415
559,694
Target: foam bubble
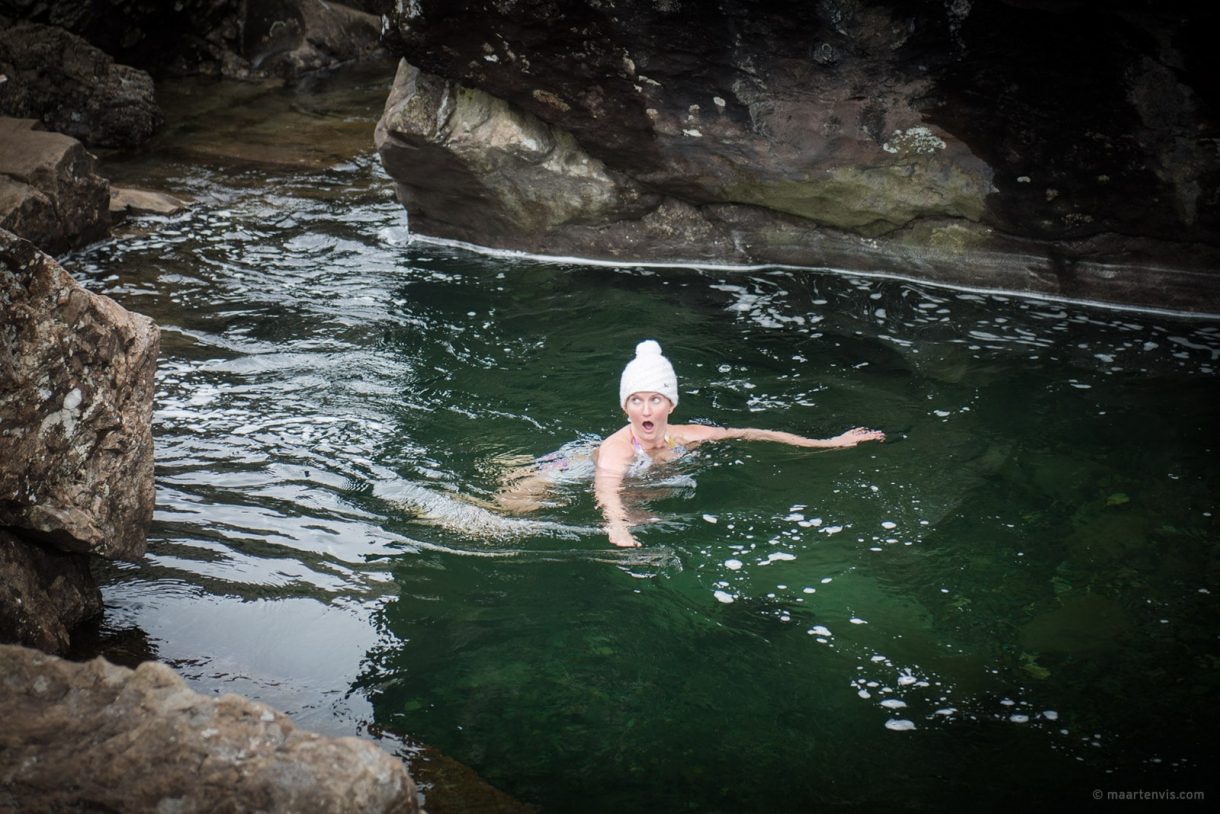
722,596
899,725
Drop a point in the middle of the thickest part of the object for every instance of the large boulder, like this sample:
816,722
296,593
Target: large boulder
50,193
96,737
919,138
74,88
289,38
76,449
232,38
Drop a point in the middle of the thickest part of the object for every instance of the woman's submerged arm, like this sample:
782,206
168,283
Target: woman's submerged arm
696,433
612,465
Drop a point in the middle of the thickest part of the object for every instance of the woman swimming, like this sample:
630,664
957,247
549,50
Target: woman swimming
648,394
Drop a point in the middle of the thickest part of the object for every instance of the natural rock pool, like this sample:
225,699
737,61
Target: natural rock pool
1011,600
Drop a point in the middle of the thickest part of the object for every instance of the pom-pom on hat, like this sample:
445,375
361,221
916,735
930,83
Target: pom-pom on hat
648,372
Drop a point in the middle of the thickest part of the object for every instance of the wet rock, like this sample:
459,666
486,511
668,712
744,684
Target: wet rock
94,736
44,593
919,138
289,38
126,201
75,410
74,88
49,192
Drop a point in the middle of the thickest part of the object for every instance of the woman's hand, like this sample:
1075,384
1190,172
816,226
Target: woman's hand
858,435
621,537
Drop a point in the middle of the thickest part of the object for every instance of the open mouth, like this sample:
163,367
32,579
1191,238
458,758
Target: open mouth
646,426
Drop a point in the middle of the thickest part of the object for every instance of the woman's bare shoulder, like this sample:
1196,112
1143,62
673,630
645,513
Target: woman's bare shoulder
616,448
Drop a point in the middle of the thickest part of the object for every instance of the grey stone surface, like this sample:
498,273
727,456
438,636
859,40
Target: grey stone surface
96,737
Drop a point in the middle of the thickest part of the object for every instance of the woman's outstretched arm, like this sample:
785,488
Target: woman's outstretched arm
696,433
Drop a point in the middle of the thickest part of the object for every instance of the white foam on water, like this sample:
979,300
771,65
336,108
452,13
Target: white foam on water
899,725
722,596
893,703
732,564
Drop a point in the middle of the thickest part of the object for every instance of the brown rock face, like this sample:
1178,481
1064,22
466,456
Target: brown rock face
76,393
49,192
95,737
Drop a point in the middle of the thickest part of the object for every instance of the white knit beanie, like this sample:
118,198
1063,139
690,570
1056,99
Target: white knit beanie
648,372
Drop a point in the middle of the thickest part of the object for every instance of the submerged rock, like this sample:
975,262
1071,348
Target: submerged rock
76,451
50,193
98,737
917,138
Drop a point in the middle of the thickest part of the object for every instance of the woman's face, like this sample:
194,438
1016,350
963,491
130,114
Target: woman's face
648,414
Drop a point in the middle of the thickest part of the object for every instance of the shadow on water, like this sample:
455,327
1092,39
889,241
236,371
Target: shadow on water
1010,601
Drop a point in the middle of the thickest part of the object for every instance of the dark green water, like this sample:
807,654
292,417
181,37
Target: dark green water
1012,601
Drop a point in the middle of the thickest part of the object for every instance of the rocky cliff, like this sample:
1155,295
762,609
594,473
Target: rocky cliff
1057,148
76,397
